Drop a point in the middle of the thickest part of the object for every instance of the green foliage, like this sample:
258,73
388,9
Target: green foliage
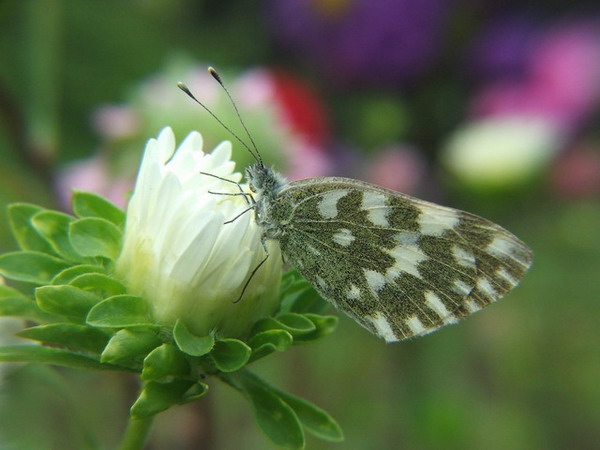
230,355
120,311
282,416
28,238
66,301
156,397
164,361
87,204
190,344
91,321
54,228
70,335
129,347
95,237
31,267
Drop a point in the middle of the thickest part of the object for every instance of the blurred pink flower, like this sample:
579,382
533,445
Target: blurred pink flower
116,122
566,67
92,175
400,168
577,173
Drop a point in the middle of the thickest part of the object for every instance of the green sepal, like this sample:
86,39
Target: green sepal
298,296
31,267
28,238
129,347
86,204
120,311
275,417
165,360
324,325
70,273
266,342
15,304
56,356
230,355
99,284
191,344
295,324
93,237
54,227
66,301
68,335
156,397
197,391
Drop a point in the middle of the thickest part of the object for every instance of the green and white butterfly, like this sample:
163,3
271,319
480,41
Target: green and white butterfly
401,267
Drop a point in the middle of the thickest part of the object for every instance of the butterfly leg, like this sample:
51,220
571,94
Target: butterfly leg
258,266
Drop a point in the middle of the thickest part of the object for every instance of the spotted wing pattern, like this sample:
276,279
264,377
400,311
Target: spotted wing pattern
401,267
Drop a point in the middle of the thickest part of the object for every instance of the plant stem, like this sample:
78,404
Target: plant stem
136,433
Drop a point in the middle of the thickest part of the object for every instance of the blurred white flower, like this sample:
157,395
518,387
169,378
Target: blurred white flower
500,152
180,256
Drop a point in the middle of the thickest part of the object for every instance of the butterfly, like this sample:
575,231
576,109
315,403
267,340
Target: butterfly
399,266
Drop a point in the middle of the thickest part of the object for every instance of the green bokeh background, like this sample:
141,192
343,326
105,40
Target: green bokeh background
524,374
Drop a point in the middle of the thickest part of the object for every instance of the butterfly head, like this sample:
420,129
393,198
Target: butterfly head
263,180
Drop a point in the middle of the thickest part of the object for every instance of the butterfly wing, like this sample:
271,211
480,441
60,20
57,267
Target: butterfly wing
401,267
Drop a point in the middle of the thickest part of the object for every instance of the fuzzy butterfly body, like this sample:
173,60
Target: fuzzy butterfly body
401,267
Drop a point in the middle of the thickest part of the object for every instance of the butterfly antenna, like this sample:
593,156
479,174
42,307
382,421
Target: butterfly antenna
217,77
187,91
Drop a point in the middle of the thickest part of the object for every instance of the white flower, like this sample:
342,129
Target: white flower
177,252
501,151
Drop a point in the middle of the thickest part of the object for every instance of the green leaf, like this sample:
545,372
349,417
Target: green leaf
267,342
120,311
15,304
274,416
66,301
28,238
230,355
68,335
69,274
86,204
31,267
50,355
317,422
295,324
164,361
156,397
129,347
95,237
324,325
191,344
99,284
54,227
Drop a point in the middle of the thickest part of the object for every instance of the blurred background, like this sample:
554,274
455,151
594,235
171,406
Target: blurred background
489,106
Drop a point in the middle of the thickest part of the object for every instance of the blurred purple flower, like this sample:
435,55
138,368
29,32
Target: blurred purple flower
362,41
561,83
504,48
